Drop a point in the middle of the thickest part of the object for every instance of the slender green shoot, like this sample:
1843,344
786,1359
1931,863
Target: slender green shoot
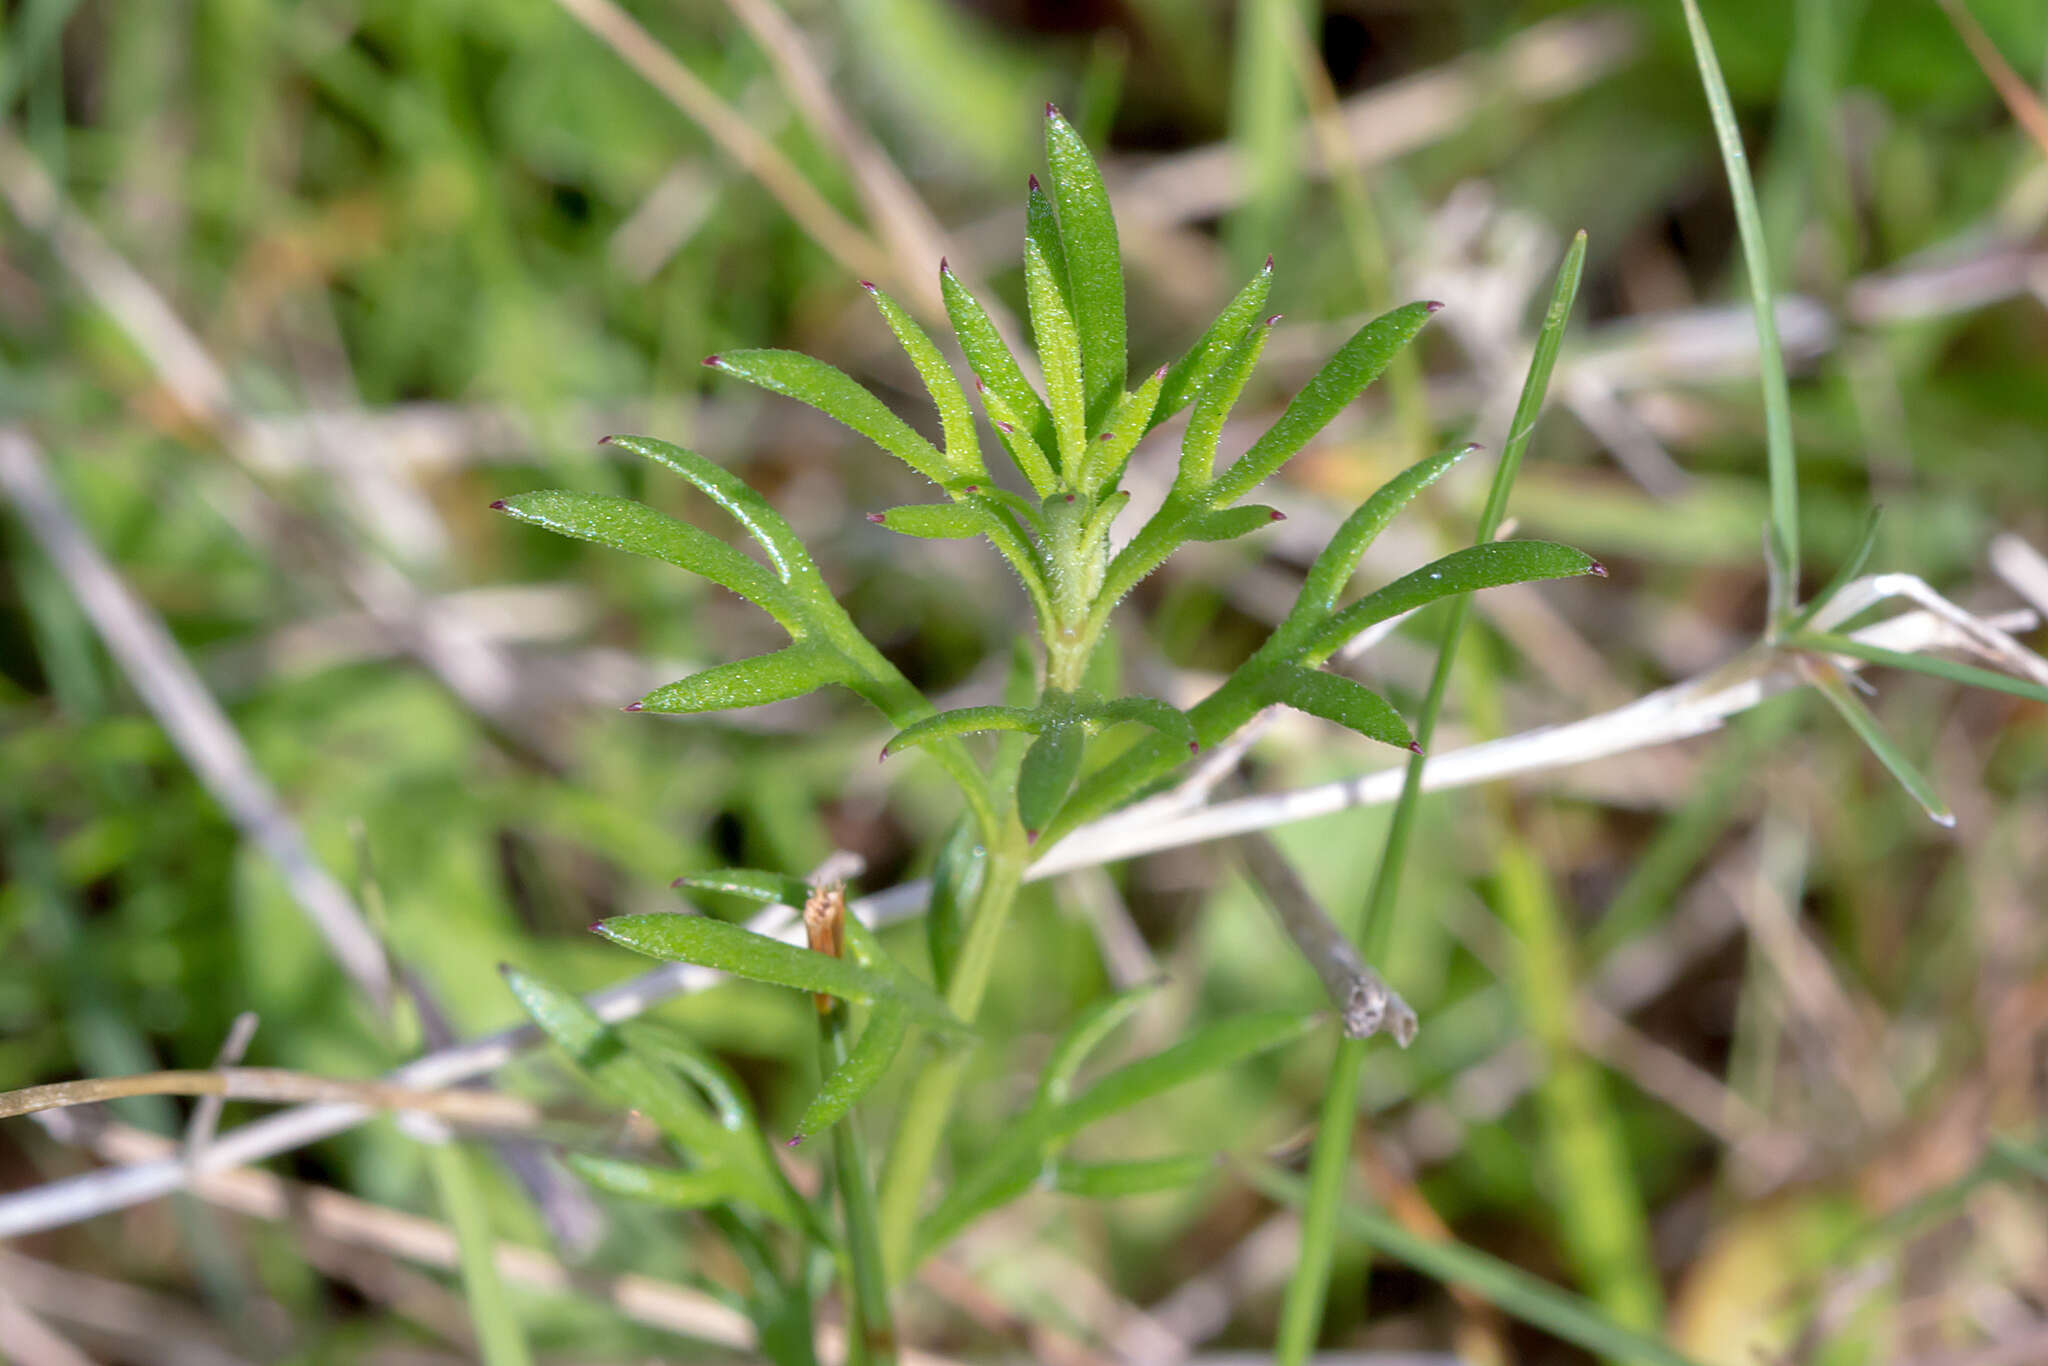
1301,1312
1782,541
499,1339
1829,683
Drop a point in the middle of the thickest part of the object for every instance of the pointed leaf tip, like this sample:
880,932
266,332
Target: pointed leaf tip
1277,516
794,1142
1031,836
713,361
606,440
1194,746
1052,111
498,505
1597,570
1269,262
868,285
1031,181
971,488
1414,747
944,269
1274,319
634,706
875,517
1160,373
1433,306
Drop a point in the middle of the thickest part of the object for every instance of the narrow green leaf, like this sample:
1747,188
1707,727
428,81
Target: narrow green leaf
956,419
1163,717
1343,378
1082,1037
1844,576
957,879
626,1077
1111,450
796,669
1104,516
1020,439
672,1187
1968,674
1212,408
1186,376
1059,352
1336,698
1094,261
742,503
1014,1160
1829,683
1047,775
755,884
933,521
960,721
834,393
740,952
623,524
1226,524
997,369
1511,1289
1141,1176
500,1339
1462,571
1042,229
879,1043
1784,470
1338,561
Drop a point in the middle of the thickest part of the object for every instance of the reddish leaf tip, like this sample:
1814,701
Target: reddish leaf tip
1274,319
944,269
1052,111
868,285
876,516
1269,261
1433,306
634,706
1031,837
1194,746
597,927
1414,748
1005,428
1070,497
1107,436
1278,515
1597,570
498,505
1471,446
713,361
971,488
794,1142
606,440
1160,373
1031,181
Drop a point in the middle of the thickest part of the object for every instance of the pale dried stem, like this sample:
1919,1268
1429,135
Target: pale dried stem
736,137
277,1085
160,673
205,1121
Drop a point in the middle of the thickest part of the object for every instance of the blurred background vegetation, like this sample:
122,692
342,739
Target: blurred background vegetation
436,248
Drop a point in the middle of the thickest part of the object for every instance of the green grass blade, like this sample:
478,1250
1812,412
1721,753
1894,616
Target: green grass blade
1139,1176
1343,378
1968,674
500,1341
835,394
1784,471
1094,262
1851,567
671,1187
1047,774
1163,717
1336,698
1082,1037
1509,1288
739,952
1302,1309
1831,685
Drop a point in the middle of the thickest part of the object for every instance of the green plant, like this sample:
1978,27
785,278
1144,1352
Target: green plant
1046,772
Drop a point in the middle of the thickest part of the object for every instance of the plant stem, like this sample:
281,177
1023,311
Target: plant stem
870,1328
1301,1312
930,1104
